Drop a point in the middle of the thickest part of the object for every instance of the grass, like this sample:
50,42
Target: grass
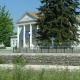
19,73
19,60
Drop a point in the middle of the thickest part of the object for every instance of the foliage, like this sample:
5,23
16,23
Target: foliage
6,26
19,60
47,74
58,19
2,61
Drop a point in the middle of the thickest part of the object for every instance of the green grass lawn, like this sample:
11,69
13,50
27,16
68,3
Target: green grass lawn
18,73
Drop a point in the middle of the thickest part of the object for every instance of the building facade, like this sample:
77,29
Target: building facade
13,41
26,31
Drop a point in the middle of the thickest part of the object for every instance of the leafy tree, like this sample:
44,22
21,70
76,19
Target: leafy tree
57,18
6,26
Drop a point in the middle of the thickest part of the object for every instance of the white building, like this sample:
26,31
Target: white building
13,41
27,30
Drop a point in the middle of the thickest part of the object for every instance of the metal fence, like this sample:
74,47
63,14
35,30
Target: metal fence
48,49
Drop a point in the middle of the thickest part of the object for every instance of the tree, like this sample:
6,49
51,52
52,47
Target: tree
6,26
57,18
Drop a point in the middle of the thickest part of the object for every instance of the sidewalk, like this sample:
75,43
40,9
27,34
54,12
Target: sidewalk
37,67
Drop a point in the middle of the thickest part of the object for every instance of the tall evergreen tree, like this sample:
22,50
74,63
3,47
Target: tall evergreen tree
6,26
58,19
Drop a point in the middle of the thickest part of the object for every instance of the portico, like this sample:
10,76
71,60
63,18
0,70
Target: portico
27,30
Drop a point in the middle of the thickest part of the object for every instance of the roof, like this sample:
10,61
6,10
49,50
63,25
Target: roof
33,14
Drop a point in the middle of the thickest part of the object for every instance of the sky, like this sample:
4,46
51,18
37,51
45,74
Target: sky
18,7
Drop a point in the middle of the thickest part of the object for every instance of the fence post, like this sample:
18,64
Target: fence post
56,49
37,51
41,49
52,49
72,49
48,49
26,49
64,49
13,50
19,50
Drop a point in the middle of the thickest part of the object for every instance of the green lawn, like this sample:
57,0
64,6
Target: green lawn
18,73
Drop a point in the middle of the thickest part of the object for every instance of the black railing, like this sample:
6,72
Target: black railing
48,49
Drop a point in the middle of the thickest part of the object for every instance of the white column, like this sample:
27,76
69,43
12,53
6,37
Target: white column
23,35
18,37
30,35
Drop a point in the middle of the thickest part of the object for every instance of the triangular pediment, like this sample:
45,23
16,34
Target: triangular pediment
28,16
25,18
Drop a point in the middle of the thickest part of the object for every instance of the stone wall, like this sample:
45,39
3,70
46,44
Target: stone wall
44,58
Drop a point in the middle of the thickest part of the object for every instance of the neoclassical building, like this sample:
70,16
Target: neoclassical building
26,31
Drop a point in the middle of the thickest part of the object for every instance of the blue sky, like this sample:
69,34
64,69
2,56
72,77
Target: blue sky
18,7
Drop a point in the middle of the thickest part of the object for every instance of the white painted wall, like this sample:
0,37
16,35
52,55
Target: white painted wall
13,41
79,36
20,36
26,18
77,45
34,29
27,40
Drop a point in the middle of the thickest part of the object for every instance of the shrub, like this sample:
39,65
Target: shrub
19,60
